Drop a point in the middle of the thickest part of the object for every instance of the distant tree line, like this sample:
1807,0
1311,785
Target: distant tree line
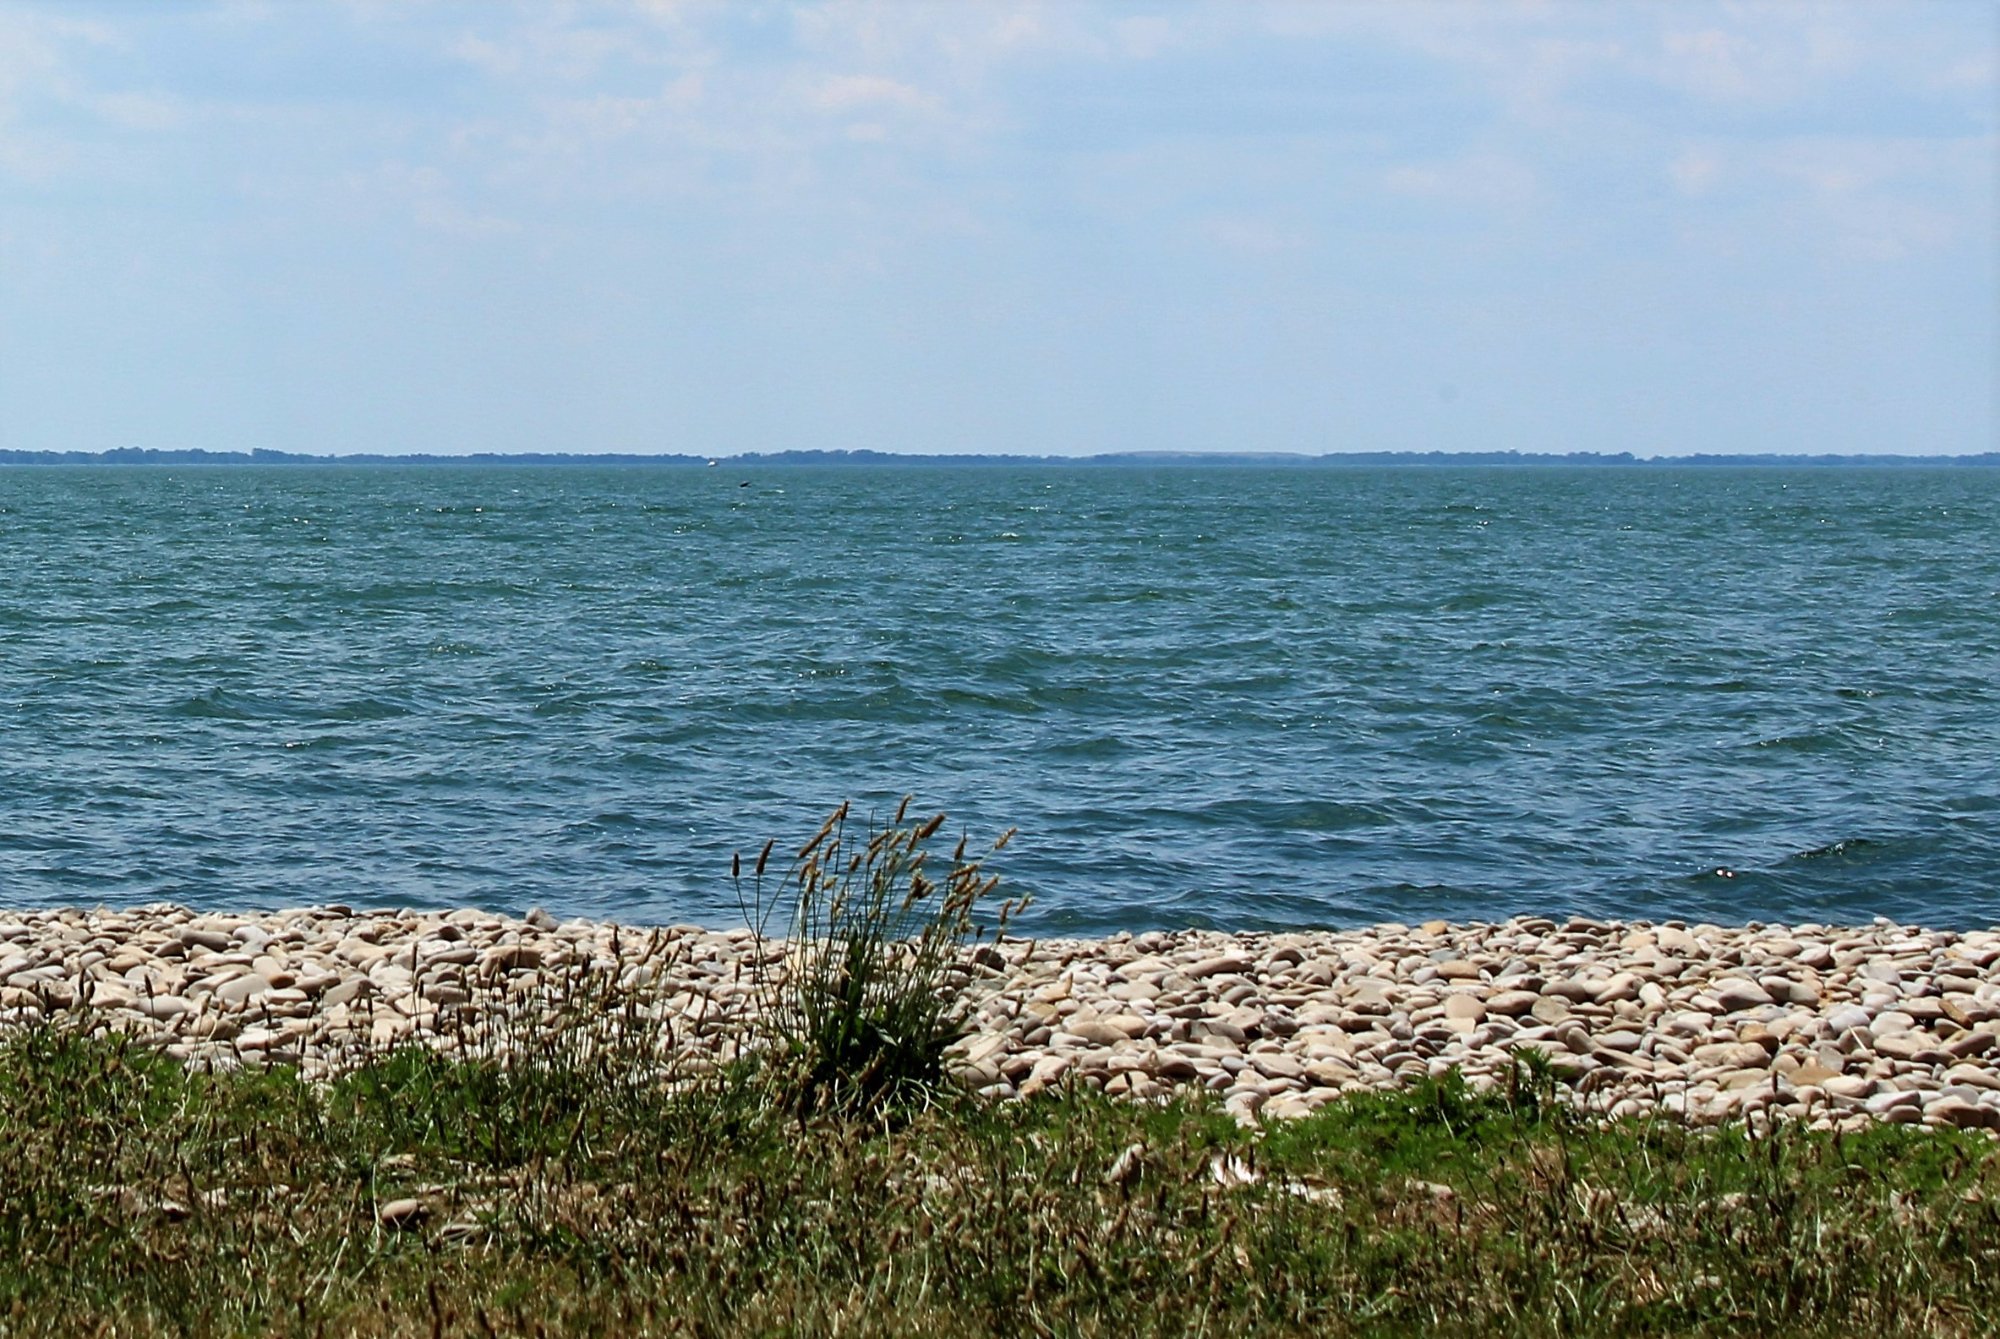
132,455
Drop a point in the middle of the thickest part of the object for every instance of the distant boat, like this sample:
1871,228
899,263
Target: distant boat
713,463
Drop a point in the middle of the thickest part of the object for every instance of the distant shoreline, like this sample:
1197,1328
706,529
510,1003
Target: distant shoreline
1114,460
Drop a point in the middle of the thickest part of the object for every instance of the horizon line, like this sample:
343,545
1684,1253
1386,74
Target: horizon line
871,456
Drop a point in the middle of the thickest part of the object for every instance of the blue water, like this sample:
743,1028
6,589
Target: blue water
1238,697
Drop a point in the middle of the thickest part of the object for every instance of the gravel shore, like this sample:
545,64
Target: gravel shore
1830,1025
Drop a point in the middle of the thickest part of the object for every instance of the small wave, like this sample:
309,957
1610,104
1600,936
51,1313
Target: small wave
568,704
1849,849
1816,742
1013,706
1093,746
220,704
1291,815
362,709
1473,600
612,820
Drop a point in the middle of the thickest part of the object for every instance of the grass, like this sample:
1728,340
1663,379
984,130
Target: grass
874,997
140,1197
573,1176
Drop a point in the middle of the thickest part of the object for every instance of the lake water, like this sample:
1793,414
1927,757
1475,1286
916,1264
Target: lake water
1207,696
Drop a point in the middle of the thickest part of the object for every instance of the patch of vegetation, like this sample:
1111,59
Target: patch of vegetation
874,997
431,1195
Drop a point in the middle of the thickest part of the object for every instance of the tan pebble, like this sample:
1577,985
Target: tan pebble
1550,1009
1967,1011
111,994
1465,1007
1287,1106
1095,1031
1223,965
439,991
1244,1106
1964,1115
1572,990
1277,1065
979,1049
1678,942
1904,1045
1971,1044
1731,1055
1788,990
1366,993
509,958
388,1029
353,988
1735,994
241,989
1621,988
164,1007
1757,1034
1975,1076
402,1213
16,997
1046,1072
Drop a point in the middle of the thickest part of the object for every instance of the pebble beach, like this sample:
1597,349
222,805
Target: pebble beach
1832,1026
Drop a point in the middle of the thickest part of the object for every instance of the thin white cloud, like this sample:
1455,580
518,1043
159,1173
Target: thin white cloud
850,92
1485,179
1252,235
1760,56
1695,172
427,197
35,67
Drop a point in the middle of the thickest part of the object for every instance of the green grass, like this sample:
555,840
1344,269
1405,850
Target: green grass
862,1023
137,1196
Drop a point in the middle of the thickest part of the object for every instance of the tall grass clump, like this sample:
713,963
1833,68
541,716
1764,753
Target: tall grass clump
872,996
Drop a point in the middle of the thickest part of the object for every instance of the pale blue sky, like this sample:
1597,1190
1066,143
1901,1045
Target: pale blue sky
1062,228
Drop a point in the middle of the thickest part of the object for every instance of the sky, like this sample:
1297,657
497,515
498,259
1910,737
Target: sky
1042,228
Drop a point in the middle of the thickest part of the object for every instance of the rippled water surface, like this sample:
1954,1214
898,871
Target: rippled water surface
1244,697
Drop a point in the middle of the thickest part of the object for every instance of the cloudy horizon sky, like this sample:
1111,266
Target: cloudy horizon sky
1047,228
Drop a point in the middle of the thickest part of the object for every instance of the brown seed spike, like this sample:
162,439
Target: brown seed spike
833,821
1005,837
930,825
764,856
735,865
